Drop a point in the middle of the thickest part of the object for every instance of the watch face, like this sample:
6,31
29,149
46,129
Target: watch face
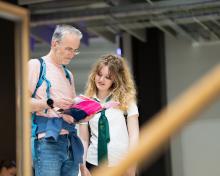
50,102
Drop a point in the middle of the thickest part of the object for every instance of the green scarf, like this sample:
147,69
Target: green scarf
103,136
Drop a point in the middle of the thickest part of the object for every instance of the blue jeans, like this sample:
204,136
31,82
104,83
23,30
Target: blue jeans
54,158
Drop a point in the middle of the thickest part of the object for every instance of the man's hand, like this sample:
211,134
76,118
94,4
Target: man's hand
63,103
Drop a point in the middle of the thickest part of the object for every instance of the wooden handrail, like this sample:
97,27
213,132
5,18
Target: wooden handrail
167,122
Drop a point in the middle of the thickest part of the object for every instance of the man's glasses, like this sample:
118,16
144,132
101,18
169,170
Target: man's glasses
76,51
69,49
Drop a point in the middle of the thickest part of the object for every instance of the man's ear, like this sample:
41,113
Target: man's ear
54,44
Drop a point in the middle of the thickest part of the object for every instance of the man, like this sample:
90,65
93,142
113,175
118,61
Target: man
58,150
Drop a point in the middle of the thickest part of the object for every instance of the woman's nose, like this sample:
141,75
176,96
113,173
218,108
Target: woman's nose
101,78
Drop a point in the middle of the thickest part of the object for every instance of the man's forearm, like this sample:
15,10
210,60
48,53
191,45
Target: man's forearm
38,105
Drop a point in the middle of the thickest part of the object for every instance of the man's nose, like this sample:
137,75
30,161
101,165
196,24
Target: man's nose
72,55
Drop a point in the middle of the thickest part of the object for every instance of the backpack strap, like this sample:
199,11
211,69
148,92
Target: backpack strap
67,74
126,118
42,78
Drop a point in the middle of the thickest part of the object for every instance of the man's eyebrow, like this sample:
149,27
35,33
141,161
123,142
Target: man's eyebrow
71,48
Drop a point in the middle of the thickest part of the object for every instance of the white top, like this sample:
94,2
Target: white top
119,139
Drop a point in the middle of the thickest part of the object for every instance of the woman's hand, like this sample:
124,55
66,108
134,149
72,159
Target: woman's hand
86,119
84,171
130,172
69,119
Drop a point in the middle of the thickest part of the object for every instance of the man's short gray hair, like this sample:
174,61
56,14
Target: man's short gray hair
62,30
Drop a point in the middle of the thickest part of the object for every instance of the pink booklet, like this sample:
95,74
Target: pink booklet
85,106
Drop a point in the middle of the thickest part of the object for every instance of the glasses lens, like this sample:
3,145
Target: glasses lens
76,52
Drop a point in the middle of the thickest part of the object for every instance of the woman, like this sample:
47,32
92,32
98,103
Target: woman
7,168
112,131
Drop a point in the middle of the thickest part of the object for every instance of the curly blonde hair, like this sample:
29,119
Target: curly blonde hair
123,87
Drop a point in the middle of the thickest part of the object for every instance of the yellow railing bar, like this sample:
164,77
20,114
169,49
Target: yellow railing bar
169,121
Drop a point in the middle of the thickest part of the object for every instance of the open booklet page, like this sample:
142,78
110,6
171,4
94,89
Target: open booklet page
84,106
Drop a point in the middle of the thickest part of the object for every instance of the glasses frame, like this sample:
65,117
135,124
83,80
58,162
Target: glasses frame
75,51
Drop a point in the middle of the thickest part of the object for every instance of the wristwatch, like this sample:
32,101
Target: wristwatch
50,103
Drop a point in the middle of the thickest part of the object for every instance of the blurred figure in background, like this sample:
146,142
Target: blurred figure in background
7,168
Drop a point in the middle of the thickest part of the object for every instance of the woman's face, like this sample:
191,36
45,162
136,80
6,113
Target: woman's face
103,80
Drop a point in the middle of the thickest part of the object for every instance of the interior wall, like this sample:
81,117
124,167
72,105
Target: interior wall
7,91
149,74
195,150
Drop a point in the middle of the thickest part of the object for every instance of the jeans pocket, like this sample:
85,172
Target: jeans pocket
46,140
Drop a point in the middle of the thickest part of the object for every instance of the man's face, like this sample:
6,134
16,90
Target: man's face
66,49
